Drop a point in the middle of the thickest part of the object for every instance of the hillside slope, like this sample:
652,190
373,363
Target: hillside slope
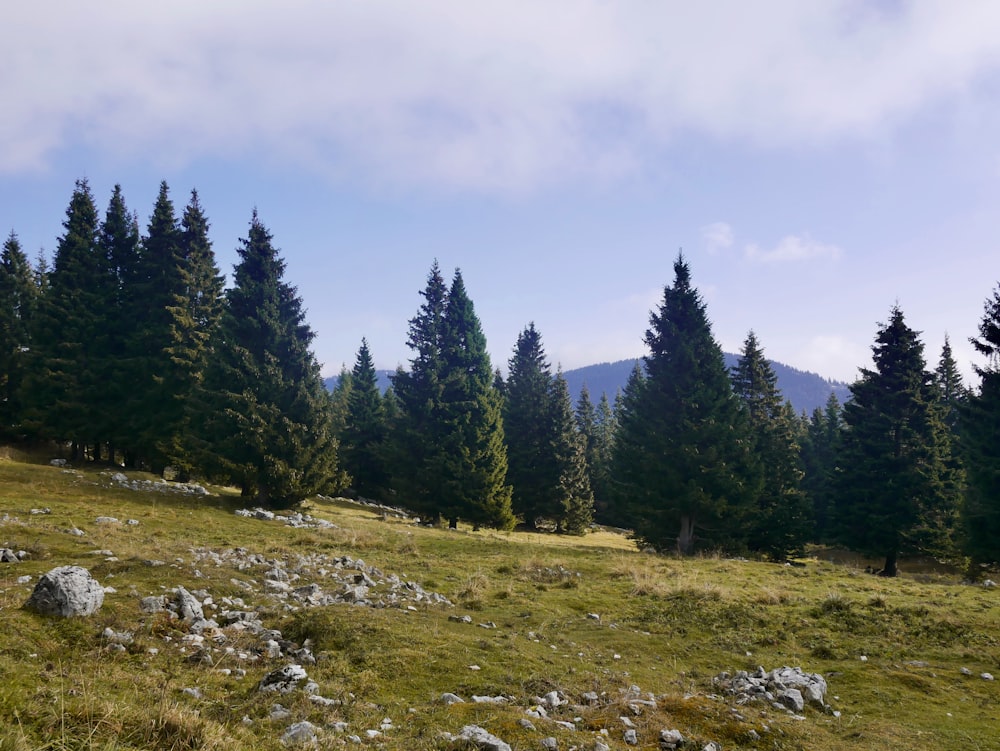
227,629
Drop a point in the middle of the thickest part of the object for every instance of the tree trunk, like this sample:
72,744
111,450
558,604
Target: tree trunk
890,565
685,538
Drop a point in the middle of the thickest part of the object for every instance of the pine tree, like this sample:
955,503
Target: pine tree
418,434
532,471
119,247
600,460
66,368
681,446
194,313
575,499
952,390
897,493
475,456
18,305
267,418
779,524
820,452
362,443
980,430
155,290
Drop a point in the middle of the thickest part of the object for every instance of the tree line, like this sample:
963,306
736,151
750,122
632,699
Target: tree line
130,349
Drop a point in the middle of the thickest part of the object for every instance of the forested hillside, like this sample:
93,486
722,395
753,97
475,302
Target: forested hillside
129,351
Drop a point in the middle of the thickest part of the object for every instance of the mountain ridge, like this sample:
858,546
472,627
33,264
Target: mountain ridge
805,390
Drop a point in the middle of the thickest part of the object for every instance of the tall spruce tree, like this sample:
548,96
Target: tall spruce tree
156,288
119,244
532,471
265,410
980,430
66,366
475,456
682,448
780,522
575,499
599,461
820,452
18,304
418,433
951,388
362,443
194,313
897,492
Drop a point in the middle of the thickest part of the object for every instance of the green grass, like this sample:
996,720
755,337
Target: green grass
666,625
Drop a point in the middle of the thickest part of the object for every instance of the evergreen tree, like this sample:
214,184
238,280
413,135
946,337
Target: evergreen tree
419,432
779,525
475,457
119,247
820,451
980,421
681,448
363,440
66,365
532,471
575,499
267,417
952,390
18,304
897,490
599,460
194,313
155,290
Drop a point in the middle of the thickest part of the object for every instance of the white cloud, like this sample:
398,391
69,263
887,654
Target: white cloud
717,236
793,248
488,95
833,356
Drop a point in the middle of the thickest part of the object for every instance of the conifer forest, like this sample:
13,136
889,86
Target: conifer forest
128,348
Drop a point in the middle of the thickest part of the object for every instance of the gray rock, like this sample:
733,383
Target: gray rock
8,556
300,733
449,698
482,739
630,737
188,607
550,743
283,680
152,604
66,591
671,739
526,724
792,698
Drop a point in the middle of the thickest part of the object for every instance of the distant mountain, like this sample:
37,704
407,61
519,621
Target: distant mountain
382,376
806,391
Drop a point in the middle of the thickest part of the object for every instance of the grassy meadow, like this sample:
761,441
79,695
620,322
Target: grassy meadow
567,614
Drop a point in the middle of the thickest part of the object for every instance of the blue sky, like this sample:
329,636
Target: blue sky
817,162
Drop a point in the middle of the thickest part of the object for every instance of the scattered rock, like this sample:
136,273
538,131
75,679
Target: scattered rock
283,680
449,699
671,739
300,733
482,739
986,676
550,743
66,591
630,737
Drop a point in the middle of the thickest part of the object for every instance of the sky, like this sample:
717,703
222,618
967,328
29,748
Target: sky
816,163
